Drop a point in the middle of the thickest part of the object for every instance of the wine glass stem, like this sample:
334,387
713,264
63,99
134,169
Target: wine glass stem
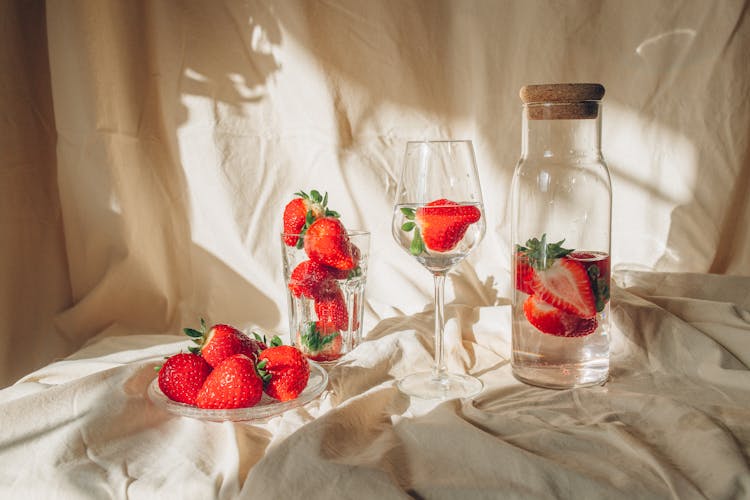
439,369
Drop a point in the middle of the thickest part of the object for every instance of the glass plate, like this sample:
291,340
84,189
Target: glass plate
267,407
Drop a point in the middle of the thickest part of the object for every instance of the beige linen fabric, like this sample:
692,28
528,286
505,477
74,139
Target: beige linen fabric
149,147
672,422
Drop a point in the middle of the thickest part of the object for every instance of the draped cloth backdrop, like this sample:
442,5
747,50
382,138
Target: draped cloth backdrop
147,148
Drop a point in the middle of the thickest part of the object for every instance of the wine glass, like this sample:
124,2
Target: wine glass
438,218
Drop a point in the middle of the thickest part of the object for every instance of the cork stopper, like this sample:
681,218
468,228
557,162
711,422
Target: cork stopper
562,101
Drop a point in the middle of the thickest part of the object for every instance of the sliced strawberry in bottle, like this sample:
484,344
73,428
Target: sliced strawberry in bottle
597,268
524,274
565,285
553,321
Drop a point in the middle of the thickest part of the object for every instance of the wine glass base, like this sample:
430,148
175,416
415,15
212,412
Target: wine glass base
426,385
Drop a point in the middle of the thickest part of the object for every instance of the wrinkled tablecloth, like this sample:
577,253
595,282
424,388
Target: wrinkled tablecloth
673,421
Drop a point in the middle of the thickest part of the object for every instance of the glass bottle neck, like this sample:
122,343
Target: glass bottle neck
549,131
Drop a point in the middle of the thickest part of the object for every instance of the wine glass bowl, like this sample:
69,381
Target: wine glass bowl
438,218
435,260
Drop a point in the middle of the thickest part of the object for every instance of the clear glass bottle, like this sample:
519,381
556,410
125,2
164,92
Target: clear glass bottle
560,228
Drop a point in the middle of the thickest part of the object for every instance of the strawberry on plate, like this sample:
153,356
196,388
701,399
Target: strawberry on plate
551,320
221,341
301,212
181,377
234,383
331,310
326,242
285,372
321,342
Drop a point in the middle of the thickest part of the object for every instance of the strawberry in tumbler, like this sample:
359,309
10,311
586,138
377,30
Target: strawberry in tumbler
325,266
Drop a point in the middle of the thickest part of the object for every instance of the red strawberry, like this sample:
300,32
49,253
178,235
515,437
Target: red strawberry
311,279
321,342
524,274
443,223
222,341
588,259
331,310
549,319
566,286
285,372
232,384
338,274
181,377
294,218
597,269
326,242
301,212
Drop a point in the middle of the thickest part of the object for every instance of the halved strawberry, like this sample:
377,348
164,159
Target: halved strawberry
331,309
285,372
551,320
301,212
597,268
320,342
589,259
326,242
565,285
221,341
233,384
443,223
524,274
182,375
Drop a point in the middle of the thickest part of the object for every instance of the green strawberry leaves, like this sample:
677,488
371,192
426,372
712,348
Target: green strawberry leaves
313,340
274,342
260,369
192,333
540,254
198,336
417,243
600,288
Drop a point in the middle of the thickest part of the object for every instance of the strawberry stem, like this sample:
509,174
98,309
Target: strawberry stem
540,254
198,336
260,369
